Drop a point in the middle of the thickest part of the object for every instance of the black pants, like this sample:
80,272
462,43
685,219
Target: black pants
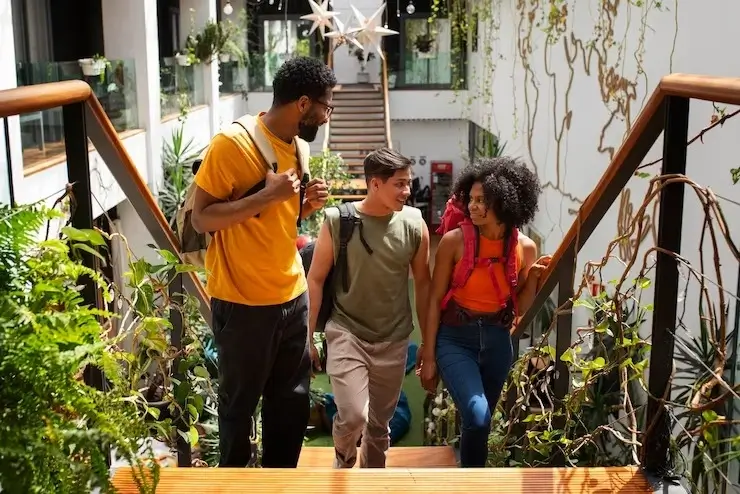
262,351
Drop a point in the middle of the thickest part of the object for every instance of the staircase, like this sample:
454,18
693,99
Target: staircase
357,127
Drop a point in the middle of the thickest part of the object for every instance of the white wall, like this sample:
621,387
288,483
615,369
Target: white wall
8,81
230,108
49,183
565,110
408,104
130,32
432,141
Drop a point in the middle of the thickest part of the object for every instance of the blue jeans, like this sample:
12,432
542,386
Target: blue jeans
473,362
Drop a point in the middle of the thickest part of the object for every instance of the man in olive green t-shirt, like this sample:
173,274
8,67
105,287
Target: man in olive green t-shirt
368,331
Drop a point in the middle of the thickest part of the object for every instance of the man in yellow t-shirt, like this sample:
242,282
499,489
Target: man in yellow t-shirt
255,275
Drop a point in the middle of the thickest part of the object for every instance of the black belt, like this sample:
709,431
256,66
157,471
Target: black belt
454,315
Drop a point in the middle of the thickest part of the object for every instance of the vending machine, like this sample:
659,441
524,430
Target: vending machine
441,188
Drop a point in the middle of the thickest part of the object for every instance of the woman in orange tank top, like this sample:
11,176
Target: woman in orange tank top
468,343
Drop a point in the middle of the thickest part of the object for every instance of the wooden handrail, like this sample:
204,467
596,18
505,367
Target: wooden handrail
39,97
327,126
642,135
386,102
105,139
107,143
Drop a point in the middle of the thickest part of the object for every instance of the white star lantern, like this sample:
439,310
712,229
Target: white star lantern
342,35
321,16
369,31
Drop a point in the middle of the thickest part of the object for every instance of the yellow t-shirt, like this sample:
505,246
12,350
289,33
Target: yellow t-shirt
255,262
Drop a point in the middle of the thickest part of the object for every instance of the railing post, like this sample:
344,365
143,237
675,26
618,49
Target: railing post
656,444
78,174
9,163
184,453
563,338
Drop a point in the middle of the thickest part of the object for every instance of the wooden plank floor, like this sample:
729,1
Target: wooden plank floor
399,457
623,480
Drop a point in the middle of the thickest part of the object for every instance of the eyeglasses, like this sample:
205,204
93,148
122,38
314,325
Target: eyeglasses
329,108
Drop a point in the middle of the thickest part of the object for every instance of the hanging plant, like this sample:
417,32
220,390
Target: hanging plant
423,43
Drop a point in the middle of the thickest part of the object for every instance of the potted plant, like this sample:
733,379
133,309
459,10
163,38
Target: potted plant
362,76
94,66
183,60
423,45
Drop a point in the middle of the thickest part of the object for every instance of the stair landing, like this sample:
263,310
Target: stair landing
624,480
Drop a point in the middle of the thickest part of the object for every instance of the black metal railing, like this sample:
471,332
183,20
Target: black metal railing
666,112
83,119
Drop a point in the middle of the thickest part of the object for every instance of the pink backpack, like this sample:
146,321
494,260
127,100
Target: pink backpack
454,217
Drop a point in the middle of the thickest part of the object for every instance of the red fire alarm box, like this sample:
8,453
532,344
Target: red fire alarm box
441,188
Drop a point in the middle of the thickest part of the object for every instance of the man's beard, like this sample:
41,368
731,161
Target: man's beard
307,132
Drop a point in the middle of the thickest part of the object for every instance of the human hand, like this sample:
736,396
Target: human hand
428,376
536,270
419,359
317,193
282,186
315,359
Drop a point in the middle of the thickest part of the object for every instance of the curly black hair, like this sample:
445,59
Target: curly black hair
301,76
510,188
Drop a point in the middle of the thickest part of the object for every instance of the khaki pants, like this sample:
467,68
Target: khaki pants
366,379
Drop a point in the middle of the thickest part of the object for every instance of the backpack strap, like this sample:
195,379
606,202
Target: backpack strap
510,273
262,142
303,154
253,130
468,261
348,219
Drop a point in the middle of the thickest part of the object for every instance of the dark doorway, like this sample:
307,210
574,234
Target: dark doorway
77,29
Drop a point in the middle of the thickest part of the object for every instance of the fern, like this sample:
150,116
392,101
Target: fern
55,429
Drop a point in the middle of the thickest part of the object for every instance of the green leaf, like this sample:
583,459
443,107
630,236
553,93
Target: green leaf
186,268
154,412
168,256
201,371
89,250
193,436
88,236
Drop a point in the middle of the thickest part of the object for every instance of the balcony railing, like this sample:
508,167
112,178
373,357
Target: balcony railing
262,68
232,78
433,70
42,132
181,87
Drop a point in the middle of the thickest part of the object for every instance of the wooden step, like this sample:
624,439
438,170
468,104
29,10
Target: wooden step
361,116
364,108
354,95
624,480
368,128
356,147
354,124
350,157
351,103
364,137
398,457
350,88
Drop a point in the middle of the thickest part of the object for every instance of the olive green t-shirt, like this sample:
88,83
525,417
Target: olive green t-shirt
377,307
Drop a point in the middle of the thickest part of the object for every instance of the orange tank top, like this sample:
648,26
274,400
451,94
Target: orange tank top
479,293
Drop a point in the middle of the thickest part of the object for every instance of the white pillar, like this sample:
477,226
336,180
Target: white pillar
195,13
130,32
8,81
